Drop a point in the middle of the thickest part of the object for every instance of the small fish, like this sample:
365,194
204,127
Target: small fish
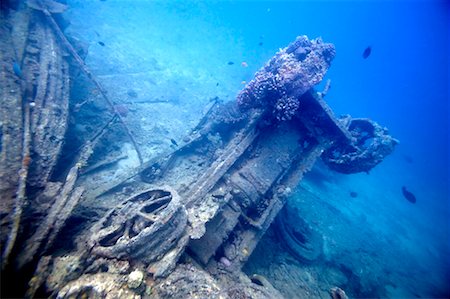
353,194
260,44
230,62
244,64
17,70
243,82
408,195
173,142
217,84
101,44
367,52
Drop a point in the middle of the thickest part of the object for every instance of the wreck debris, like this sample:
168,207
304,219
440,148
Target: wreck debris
276,88
16,109
66,199
20,196
228,182
370,144
33,110
14,125
144,227
96,136
195,197
326,88
40,275
104,164
44,6
301,239
46,78
49,5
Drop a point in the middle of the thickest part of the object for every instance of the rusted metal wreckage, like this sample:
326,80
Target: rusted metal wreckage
184,224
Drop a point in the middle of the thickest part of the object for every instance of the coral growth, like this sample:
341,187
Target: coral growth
265,88
287,76
286,107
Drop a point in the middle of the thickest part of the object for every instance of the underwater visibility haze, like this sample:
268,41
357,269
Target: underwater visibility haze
225,149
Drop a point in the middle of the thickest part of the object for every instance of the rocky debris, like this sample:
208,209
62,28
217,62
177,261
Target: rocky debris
252,290
187,281
135,279
99,285
64,268
111,265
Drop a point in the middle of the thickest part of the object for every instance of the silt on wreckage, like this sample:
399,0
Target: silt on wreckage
181,225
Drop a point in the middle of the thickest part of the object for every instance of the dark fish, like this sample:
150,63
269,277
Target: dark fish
408,195
260,43
101,44
217,84
353,194
173,142
17,70
367,52
230,62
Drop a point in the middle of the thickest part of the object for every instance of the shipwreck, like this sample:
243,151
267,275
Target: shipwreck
181,225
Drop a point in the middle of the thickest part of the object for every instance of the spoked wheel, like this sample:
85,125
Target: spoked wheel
143,227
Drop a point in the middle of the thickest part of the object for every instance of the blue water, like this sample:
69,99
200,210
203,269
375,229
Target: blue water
186,47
